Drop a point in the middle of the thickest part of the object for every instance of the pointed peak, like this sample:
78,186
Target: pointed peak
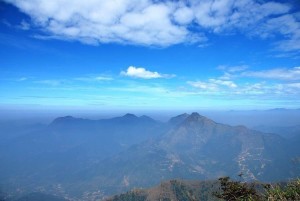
195,114
129,115
196,117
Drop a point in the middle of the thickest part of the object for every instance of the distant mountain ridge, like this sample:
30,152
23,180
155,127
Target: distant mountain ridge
114,155
67,145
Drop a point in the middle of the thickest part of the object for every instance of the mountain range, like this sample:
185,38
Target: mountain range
91,159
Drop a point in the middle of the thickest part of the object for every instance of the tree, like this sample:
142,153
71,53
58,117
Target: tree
236,191
291,191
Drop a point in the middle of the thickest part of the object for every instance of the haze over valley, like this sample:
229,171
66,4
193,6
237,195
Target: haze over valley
79,158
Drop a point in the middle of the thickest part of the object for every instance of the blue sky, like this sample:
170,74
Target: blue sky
143,54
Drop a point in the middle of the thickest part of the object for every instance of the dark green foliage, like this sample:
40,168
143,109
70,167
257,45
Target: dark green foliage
291,191
239,191
236,190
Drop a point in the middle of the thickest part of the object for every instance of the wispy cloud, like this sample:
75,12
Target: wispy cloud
53,83
276,73
239,81
213,84
288,26
24,25
203,85
94,78
22,79
139,72
246,90
232,69
161,23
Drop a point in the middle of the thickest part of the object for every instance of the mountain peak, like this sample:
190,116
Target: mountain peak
62,120
197,118
195,114
129,115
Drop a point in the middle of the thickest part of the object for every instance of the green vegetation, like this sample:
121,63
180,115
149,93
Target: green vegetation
236,190
289,192
240,191
225,189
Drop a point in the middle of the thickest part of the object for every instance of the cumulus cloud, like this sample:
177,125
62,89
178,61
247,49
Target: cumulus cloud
138,72
121,21
184,15
159,23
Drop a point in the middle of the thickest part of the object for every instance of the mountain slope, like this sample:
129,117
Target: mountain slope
196,148
56,153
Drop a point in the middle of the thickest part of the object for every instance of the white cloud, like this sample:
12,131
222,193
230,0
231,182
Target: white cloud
94,78
229,14
294,85
227,83
263,89
121,21
138,72
272,83
288,26
277,73
103,78
159,23
204,85
184,15
213,84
